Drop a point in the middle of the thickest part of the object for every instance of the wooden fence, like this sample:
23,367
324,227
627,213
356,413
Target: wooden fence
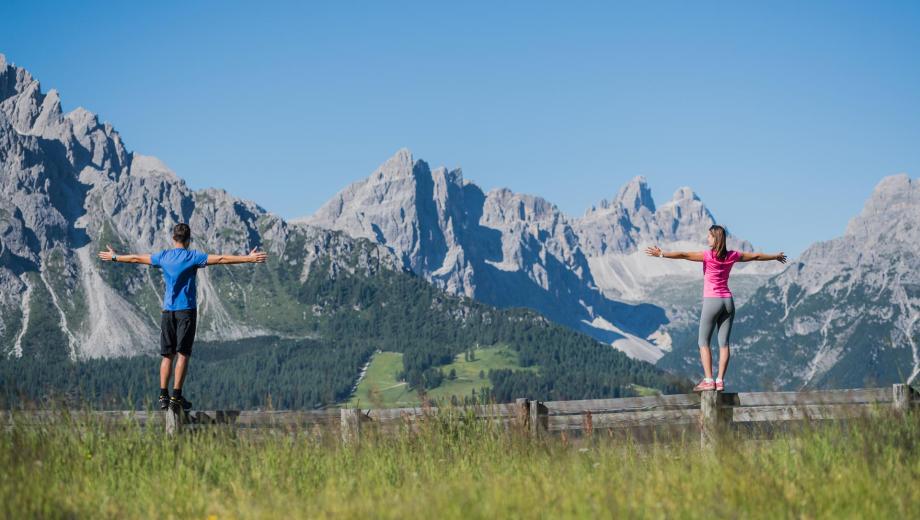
710,413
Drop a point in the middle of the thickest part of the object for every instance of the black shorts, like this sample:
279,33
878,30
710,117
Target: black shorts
177,332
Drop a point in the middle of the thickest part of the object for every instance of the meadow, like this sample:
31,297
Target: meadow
381,387
455,467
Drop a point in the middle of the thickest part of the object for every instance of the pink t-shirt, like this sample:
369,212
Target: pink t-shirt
715,274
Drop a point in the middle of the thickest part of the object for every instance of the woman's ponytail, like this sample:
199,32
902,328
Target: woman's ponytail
718,246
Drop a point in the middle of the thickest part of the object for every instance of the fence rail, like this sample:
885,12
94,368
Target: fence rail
710,412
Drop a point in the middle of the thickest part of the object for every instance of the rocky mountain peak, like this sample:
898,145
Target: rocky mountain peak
635,195
684,193
890,213
399,165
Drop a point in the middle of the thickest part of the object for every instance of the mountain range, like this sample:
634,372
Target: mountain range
842,314
511,250
312,316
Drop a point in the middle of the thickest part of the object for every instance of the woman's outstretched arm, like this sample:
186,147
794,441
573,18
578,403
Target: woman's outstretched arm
693,256
762,257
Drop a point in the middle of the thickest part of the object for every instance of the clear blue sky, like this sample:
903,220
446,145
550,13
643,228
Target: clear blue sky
782,116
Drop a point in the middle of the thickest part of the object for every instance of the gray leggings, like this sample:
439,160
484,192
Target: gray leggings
717,313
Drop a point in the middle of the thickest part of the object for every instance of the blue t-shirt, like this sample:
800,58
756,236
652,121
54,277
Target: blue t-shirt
179,269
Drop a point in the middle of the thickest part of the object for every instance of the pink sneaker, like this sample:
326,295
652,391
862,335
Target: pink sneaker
720,385
704,385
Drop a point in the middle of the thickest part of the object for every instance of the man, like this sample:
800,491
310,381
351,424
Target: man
177,323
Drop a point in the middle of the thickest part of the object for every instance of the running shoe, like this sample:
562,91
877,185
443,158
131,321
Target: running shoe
720,385
164,402
178,404
704,385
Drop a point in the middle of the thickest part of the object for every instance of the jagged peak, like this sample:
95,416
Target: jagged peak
400,164
537,204
52,101
893,184
452,176
635,194
456,175
150,166
22,80
893,203
684,193
220,196
891,190
82,115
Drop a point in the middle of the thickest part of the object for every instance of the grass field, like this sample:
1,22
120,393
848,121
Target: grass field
381,389
455,468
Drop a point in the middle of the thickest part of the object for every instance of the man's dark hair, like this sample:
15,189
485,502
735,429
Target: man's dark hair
182,233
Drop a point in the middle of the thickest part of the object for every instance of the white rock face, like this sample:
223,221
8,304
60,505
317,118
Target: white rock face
509,249
68,186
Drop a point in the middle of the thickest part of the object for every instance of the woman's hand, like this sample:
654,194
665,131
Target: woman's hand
653,251
781,257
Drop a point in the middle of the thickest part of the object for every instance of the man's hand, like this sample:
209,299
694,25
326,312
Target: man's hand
107,255
256,256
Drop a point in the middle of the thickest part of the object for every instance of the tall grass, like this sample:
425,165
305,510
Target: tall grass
454,467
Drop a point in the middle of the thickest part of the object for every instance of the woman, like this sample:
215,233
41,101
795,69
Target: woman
718,304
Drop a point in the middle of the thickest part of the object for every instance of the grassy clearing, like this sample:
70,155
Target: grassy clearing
455,467
381,389
644,390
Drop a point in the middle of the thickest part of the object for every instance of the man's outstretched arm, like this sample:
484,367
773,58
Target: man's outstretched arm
254,257
112,256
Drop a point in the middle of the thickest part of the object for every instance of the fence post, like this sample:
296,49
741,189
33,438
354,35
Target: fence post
710,419
173,421
587,423
900,398
539,418
351,425
522,413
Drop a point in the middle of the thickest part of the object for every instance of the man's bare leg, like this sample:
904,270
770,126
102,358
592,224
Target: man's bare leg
181,370
166,370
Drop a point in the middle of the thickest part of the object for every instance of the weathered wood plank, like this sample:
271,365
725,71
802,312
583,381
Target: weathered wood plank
481,411
291,419
799,412
654,402
625,419
849,396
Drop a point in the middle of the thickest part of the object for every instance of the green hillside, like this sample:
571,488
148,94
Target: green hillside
349,306
381,386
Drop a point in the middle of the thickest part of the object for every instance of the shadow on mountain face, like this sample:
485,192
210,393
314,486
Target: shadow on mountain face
483,244
564,301
65,192
431,242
